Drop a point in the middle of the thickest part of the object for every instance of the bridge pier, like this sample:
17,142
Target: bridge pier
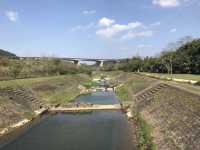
77,62
100,63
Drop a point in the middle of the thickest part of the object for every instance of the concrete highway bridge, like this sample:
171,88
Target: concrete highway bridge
77,61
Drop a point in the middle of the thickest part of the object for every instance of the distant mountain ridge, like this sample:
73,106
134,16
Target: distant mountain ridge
4,53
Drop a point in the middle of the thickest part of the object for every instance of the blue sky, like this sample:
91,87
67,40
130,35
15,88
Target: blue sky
95,28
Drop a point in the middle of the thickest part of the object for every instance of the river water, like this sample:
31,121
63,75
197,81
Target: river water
102,98
97,130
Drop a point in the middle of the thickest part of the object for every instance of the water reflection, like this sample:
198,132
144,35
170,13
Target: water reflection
99,98
99,130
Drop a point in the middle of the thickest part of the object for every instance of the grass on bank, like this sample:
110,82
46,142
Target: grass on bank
27,81
145,138
89,84
177,76
109,74
122,93
189,87
53,90
28,114
134,85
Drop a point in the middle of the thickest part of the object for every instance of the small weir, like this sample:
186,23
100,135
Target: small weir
105,127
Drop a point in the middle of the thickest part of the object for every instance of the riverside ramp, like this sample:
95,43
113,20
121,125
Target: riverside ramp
82,108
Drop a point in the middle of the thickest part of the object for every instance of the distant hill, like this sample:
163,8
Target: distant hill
4,53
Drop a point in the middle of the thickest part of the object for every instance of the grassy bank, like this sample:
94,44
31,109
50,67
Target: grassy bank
55,89
144,133
125,92
46,90
89,84
133,85
177,76
195,88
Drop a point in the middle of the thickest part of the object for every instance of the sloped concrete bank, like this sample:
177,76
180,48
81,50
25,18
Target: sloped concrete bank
22,123
172,113
18,107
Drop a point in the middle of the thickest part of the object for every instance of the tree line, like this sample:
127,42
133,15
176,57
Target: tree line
4,53
182,57
15,68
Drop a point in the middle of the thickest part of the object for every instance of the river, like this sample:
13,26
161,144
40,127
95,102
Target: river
96,130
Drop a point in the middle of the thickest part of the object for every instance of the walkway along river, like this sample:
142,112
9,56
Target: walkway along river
95,130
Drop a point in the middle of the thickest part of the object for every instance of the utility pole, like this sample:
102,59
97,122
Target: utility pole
171,66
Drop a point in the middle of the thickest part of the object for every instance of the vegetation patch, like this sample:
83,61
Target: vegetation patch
53,90
133,85
177,76
20,69
144,134
183,59
85,94
89,85
45,90
28,114
122,93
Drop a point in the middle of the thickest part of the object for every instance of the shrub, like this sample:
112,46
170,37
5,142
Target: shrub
15,68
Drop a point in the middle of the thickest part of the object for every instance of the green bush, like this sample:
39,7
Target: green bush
29,115
15,68
89,85
122,93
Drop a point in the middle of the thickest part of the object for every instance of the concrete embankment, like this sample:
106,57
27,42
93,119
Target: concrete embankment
23,122
39,112
173,115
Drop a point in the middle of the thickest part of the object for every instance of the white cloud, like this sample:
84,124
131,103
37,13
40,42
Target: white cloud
117,28
174,3
133,34
89,12
12,15
167,3
173,30
83,27
106,21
